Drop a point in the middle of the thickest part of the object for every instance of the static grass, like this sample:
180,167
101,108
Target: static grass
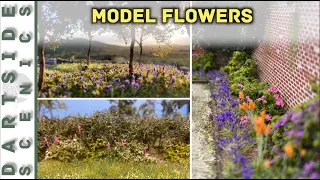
112,169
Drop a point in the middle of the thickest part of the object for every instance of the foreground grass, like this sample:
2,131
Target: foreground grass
108,169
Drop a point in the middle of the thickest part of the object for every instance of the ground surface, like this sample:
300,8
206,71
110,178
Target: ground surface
107,169
203,153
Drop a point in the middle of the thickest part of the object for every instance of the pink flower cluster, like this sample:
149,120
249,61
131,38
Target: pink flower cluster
268,117
79,128
244,119
124,142
145,150
279,101
108,145
242,86
47,142
248,99
56,139
273,89
262,99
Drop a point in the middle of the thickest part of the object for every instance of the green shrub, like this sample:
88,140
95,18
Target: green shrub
206,62
177,152
66,151
241,70
112,127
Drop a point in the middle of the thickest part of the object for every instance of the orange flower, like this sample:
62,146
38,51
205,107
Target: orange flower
267,163
263,114
241,95
288,149
259,125
252,106
244,106
267,130
303,152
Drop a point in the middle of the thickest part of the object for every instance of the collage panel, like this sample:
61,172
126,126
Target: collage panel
114,139
255,91
160,90
81,59
113,99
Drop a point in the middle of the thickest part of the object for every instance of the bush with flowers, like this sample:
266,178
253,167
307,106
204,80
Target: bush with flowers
294,147
65,150
109,135
260,139
112,80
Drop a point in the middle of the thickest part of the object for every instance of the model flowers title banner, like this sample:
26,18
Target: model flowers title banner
192,15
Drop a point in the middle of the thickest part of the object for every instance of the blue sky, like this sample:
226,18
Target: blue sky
88,107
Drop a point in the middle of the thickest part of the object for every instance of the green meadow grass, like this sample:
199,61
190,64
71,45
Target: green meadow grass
111,169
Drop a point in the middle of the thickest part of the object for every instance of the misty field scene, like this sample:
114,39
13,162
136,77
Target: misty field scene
77,58
145,139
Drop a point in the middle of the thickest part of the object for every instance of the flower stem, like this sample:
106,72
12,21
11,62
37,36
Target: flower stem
260,148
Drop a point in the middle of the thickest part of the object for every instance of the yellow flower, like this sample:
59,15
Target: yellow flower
252,106
288,149
303,152
241,95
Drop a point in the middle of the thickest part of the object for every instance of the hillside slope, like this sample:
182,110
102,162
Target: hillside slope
78,49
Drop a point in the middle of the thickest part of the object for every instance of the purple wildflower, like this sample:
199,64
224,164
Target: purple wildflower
91,76
276,125
307,168
283,121
117,80
136,85
63,85
80,78
85,87
274,149
300,133
108,87
127,81
96,83
247,173
314,175
234,104
172,81
64,77
291,133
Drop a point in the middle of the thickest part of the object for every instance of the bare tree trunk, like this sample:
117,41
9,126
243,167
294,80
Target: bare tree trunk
133,39
89,50
42,61
140,52
140,44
